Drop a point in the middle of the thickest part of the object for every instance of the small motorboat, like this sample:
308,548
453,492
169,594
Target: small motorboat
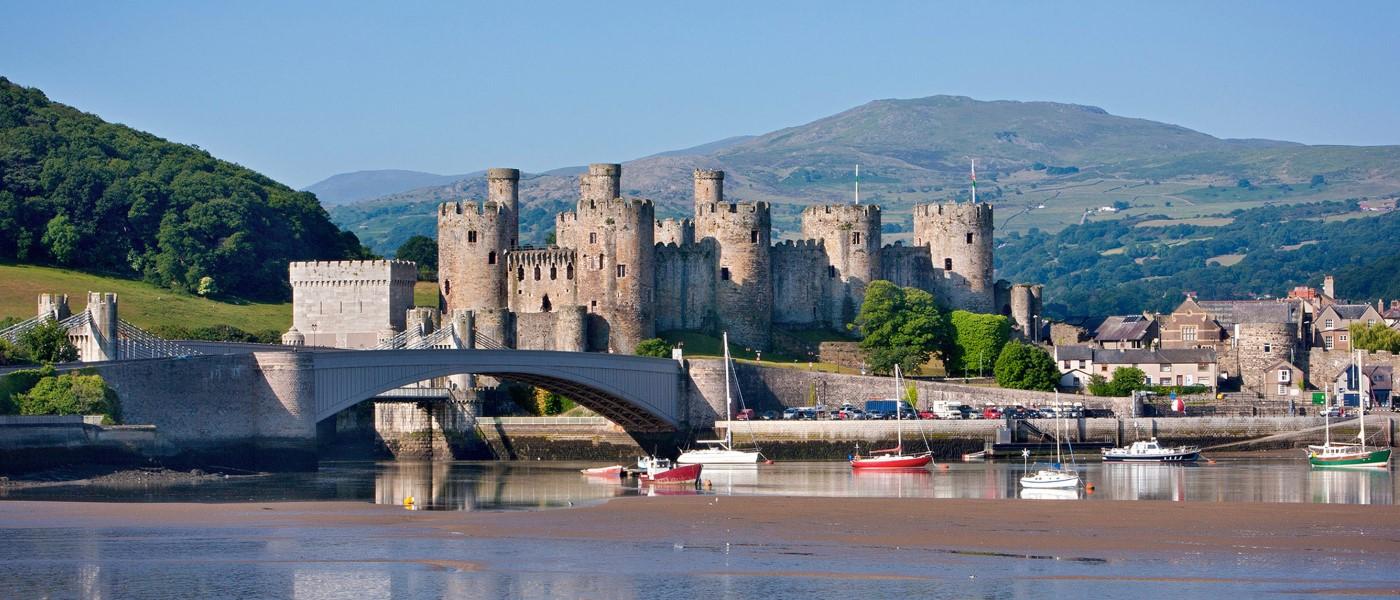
1151,451
609,471
664,471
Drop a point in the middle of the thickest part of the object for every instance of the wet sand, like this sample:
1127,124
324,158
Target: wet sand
1065,529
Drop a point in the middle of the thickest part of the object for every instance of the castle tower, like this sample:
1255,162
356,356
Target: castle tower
742,232
850,234
503,189
1026,309
601,183
472,243
709,187
959,238
614,241
54,305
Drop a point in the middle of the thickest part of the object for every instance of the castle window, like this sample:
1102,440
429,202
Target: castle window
724,273
855,238
545,306
491,257
537,273
593,306
553,273
592,237
600,262
471,237
753,236
1268,348
947,264
831,270
622,271
569,272
969,238
520,273
733,208
447,287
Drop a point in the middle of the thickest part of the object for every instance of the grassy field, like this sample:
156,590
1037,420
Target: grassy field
145,305
425,293
1199,221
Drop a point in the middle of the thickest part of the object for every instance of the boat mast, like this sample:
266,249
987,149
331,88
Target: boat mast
898,410
1058,463
1361,400
728,426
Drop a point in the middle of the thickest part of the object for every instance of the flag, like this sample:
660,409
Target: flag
974,181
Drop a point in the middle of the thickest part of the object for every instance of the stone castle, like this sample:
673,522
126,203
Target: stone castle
617,275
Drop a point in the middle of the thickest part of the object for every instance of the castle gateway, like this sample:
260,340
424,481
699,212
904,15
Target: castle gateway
618,275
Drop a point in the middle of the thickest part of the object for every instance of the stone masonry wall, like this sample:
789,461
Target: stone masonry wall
347,304
960,236
850,234
800,281
472,243
744,287
1258,346
907,266
541,280
685,287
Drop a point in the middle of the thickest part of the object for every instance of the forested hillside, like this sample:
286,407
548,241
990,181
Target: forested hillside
1146,263
76,191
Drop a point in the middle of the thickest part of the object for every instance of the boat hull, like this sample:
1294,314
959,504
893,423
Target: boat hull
1158,458
683,474
1353,460
612,471
892,462
717,457
1043,481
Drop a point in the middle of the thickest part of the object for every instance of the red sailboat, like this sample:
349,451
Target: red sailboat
893,458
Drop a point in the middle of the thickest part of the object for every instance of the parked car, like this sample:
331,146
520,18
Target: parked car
1334,412
792,414
744,415
927,414
991,412
769,415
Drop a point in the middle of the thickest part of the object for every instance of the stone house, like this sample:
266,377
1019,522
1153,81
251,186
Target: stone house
1126,332
1331,326
1283,380
1392,314
1167,367
1248,335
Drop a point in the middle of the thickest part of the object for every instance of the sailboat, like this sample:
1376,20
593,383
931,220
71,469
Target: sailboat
894,458
1056,477
1331,454
721,452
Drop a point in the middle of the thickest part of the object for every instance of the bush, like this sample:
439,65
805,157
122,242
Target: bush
70,394
653,347
1126,380
978,339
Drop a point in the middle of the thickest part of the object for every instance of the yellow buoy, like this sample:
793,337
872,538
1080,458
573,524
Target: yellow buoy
408,501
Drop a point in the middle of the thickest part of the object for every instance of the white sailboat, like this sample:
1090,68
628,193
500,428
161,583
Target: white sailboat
1056,477
721,452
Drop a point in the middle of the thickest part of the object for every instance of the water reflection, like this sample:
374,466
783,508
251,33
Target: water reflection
1049,494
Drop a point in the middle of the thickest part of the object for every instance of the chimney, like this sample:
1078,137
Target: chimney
1329,286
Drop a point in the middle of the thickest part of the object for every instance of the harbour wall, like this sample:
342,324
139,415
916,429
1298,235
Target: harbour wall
32,443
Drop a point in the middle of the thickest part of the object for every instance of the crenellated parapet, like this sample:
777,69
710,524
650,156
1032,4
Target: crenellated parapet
959,239
350,303
473,239
675,231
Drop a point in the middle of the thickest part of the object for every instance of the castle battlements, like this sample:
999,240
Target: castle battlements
799,245
541,256
470,207
865,210
979,211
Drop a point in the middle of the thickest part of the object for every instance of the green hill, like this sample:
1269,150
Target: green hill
76,191
147,306
1042,163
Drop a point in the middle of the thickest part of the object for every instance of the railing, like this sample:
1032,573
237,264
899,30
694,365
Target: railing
416,392
544,420
134,343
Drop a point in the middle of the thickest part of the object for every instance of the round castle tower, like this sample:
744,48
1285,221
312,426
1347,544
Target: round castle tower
472,243
1026,309
959,239
503,189
850,234
616,259
743,234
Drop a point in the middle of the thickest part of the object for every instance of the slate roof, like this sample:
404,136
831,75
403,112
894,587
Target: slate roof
1074,353
1144,356
1123,329
1350,312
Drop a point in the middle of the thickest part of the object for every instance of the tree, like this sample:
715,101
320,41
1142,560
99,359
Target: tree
1126,380
978,341
1025,367
61,240
70,394
423,251
48,342
1099,386
9,353
548,403
899,326
1376,337
653,347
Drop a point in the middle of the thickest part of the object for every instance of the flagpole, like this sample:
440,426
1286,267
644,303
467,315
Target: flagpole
857,183
974,180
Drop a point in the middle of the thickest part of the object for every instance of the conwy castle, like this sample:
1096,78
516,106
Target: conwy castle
617,275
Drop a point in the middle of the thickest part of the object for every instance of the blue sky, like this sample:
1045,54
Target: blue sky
302,90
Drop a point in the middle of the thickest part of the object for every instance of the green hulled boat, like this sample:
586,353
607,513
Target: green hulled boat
1348,455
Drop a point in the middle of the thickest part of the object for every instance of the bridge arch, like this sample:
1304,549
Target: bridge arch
639,393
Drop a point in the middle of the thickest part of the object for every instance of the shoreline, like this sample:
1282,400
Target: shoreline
1089,531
